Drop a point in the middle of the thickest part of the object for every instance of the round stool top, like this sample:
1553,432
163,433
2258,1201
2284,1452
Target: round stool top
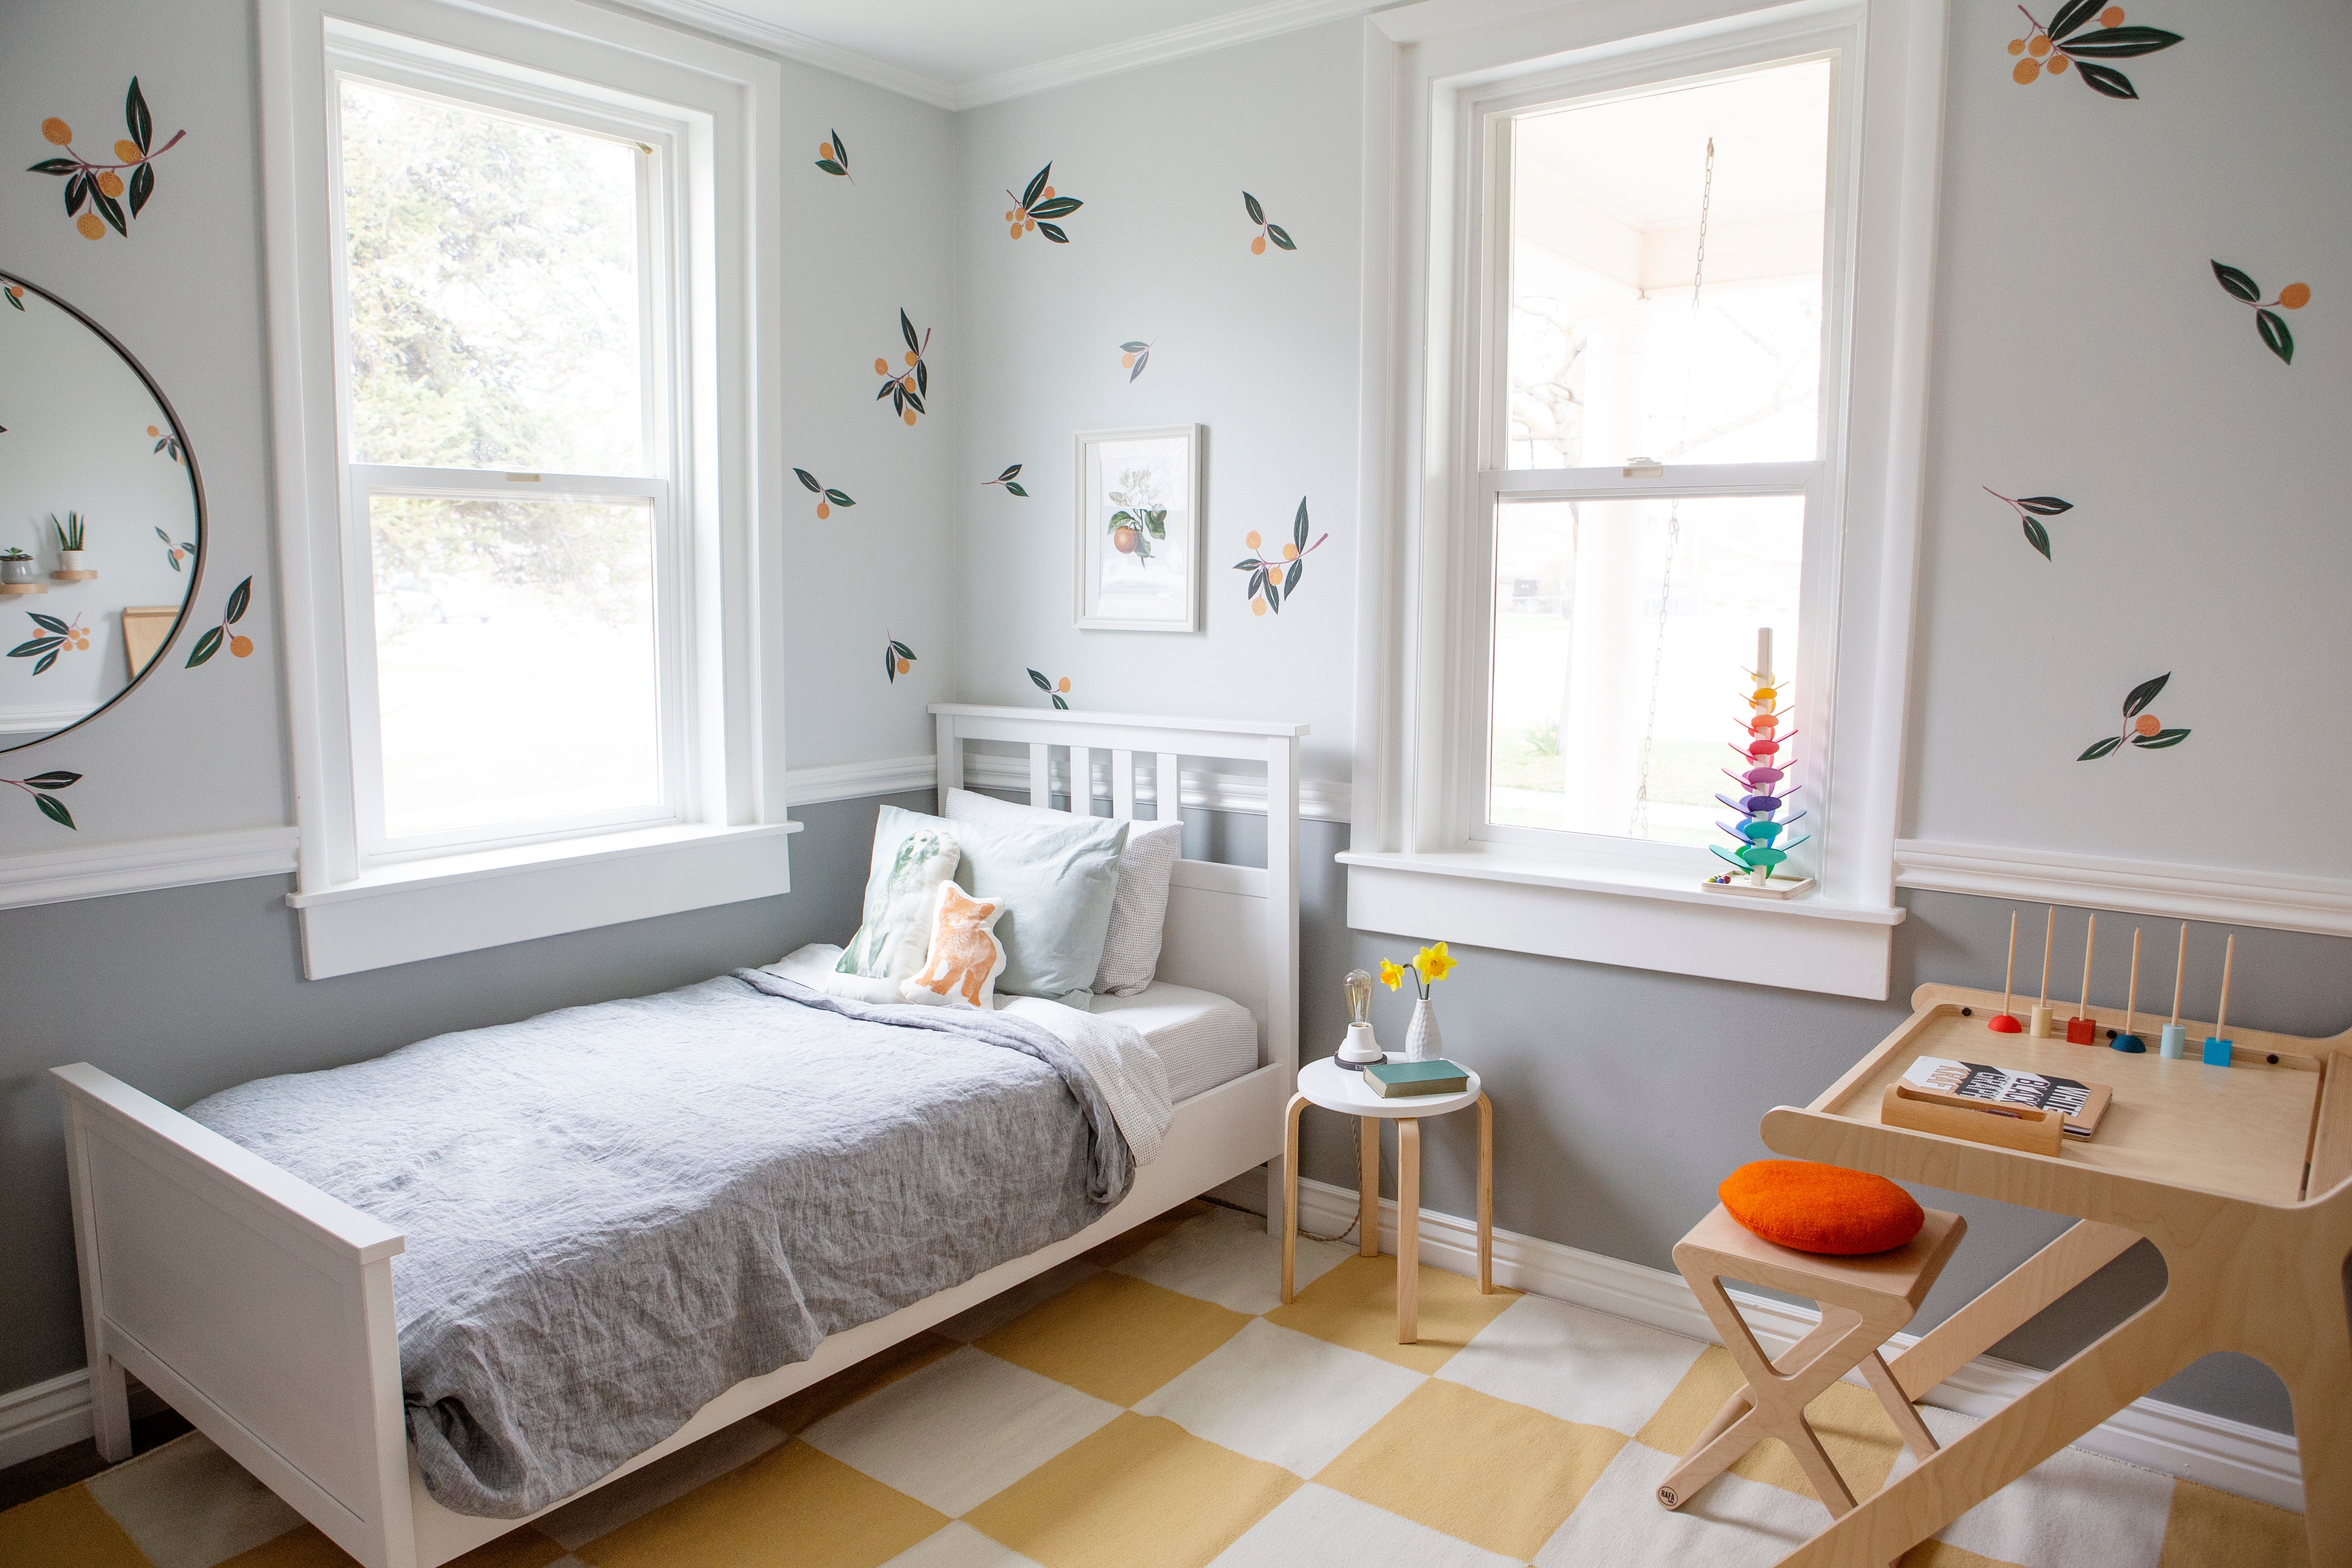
1809,1207
1335,1086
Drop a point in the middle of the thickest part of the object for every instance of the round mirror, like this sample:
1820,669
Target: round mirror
101,517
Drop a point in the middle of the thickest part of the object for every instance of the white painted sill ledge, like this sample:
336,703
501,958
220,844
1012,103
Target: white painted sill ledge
1632,917
459,903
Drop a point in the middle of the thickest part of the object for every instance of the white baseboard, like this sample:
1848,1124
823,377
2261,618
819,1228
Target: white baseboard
52,1415
2251,1461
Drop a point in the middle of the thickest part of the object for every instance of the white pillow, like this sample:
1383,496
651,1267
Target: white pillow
1138,907
965,957
911,859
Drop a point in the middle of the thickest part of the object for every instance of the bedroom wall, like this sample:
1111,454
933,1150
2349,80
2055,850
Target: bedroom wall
1261,349
193,988
2082,349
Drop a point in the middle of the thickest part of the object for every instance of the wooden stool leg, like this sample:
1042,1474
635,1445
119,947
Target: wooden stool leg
1290,1194
1881,1378
1735,1427
1408,1229
1486,1196
2321,1396
1367,1186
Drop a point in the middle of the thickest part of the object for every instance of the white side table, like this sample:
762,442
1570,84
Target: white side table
1337,1086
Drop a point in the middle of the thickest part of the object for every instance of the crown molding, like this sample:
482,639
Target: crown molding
727,21
2318,904
1193,38
1264,21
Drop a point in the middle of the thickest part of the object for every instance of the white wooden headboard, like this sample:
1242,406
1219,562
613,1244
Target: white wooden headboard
1232,930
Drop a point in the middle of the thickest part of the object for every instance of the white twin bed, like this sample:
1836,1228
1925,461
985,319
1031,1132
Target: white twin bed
263,1310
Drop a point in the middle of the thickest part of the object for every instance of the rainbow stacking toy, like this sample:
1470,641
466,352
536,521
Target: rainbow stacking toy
1762,797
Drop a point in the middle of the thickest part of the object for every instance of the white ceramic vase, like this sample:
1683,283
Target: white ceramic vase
72,560
1423,1042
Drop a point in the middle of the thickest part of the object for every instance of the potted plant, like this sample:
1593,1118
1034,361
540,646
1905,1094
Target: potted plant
71,556
16,566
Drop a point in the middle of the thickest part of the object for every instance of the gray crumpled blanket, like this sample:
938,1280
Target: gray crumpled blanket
615,1213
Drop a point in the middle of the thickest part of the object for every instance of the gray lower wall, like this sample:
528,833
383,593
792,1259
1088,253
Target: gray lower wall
190,990
1622,1096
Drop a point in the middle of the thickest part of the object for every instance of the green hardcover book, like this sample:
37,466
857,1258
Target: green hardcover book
1396,1079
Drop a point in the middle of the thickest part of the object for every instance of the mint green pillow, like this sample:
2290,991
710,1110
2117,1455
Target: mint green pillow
1057,879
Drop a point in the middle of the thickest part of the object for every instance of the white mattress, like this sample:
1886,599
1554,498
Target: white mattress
1202,1038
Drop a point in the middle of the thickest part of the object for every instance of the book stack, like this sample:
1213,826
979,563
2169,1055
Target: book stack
2081,1104
1399,1080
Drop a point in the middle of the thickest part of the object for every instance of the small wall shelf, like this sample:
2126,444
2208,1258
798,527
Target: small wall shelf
22,588
73,577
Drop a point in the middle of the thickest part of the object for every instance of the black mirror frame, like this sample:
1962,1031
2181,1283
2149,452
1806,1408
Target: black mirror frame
195,487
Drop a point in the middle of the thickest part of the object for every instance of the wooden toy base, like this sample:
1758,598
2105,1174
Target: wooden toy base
22,588
1779,888
73,577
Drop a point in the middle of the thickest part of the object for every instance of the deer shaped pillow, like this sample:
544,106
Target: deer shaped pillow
965,958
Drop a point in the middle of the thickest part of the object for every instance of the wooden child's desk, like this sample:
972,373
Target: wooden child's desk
2241,1176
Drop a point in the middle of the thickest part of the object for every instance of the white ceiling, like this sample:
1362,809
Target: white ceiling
957,53
1643,160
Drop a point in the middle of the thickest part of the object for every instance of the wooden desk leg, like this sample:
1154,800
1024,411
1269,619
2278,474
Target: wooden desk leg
1367,1186
2323,1434
2082,1250
1486,1196
2131,1359
1408,1229
1290,1194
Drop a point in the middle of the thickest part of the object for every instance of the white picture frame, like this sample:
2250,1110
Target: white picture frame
1136,558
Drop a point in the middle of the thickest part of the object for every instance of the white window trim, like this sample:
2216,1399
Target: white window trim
1414,865
727,836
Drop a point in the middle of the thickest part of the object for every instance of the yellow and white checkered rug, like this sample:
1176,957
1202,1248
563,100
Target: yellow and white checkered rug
1155,1407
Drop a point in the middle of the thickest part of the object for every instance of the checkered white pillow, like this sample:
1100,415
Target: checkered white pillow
1138,905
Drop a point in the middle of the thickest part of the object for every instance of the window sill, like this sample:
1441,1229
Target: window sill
1636,918
460,903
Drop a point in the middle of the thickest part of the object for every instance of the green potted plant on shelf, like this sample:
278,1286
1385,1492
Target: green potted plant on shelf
70,557
16,567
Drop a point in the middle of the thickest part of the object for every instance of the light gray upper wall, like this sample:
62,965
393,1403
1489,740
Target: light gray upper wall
1259,349
2084,349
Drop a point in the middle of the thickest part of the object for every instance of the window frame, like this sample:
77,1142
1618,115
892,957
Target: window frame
1426,595
709,108
666,289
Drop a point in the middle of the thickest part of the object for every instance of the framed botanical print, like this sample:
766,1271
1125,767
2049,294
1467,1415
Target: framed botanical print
1137,553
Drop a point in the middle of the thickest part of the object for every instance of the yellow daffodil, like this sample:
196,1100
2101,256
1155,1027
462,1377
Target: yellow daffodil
1434,963
1392,974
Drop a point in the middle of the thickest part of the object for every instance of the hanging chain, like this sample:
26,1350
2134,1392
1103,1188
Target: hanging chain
1673,518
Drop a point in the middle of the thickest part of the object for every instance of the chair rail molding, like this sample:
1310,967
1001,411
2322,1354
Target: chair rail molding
145,865
2273,899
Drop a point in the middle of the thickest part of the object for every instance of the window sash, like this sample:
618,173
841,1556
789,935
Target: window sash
1481,416
663,308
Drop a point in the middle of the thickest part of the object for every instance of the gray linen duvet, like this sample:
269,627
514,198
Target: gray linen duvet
615,1213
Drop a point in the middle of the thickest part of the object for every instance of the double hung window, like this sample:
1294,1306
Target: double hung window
1658,380
526,398
1663,400
507,310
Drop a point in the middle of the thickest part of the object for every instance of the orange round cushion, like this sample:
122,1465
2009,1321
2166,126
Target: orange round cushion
1808,1207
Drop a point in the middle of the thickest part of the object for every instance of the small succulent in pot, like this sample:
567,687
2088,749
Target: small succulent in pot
70,541
16,565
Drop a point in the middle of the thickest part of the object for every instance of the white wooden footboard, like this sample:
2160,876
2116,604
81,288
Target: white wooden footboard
257,1306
